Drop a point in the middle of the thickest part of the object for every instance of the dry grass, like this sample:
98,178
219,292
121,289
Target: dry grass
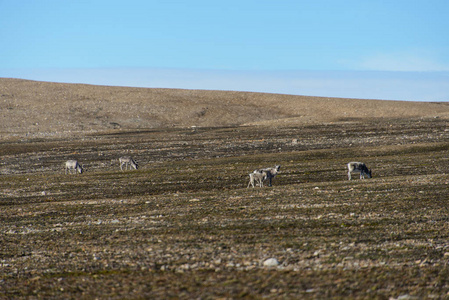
43,109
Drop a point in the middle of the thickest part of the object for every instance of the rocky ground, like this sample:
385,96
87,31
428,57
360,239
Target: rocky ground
184,225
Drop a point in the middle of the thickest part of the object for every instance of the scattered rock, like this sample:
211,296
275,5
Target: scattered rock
271,262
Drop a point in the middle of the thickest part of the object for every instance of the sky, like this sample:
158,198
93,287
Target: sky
393,50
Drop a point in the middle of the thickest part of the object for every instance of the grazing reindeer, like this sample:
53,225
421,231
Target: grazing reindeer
127,160
271,172
358,167
257,177
73,164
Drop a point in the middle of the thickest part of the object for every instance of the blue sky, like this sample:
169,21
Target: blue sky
361,49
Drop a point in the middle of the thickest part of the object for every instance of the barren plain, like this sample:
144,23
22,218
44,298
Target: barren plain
185,225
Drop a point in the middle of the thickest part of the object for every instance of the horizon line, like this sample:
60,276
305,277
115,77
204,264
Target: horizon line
427,86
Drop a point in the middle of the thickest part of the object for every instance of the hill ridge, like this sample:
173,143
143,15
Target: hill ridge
30,107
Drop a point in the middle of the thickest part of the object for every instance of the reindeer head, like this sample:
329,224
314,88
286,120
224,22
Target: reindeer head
79,169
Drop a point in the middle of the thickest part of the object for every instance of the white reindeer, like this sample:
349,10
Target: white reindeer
358,167
128,161
271,172
73,164
257,177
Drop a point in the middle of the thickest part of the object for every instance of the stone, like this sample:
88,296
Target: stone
271,262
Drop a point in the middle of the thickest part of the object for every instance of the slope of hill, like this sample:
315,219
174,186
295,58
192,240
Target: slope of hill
32,107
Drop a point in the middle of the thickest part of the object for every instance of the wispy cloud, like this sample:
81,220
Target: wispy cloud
405,61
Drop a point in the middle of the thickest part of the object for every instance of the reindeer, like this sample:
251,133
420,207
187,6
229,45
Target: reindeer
358,167
73,164
127,160
257,177
271,172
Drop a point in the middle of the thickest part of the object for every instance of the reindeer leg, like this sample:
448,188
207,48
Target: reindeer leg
251,181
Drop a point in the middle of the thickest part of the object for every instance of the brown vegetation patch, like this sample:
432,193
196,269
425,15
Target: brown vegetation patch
184,225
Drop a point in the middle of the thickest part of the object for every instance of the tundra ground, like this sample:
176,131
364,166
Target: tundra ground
184,225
